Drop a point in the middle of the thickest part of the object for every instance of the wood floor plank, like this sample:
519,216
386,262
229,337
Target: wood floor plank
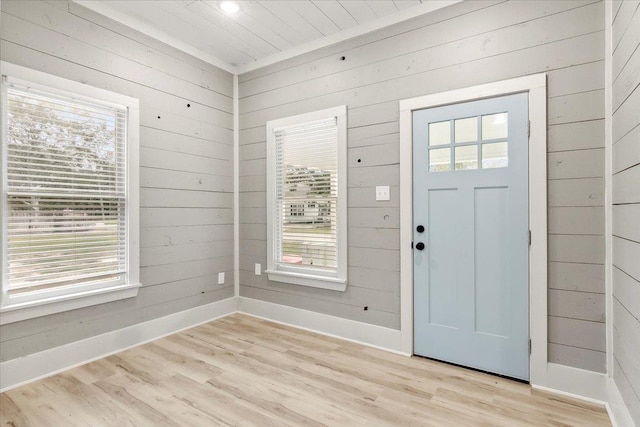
227,407
246,371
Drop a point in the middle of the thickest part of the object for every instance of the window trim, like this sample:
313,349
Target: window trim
306,276
57,300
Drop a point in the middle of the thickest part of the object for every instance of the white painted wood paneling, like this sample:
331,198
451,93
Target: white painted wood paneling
430,35
172,235
186,163
625,221
590,360
576,164
626,341
577,79
629,30
576,136
625,186
626,153
310,303
463,45
576,248
626,117
339,15
360,11
626,289
628,394
577,333
576,192
576,277
576,220
261,30
626,203
576,305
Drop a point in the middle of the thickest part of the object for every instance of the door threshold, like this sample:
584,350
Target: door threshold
474,369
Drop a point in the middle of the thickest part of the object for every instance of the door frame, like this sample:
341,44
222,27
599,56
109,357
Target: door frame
536,86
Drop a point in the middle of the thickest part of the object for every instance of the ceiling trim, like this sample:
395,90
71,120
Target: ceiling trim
358,30
103,8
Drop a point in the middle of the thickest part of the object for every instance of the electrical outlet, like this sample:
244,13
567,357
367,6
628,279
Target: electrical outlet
221,278
382,193
258,269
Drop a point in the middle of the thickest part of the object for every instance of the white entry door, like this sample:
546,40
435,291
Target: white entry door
471,234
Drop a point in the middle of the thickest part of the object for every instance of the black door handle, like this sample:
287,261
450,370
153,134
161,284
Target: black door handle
419,246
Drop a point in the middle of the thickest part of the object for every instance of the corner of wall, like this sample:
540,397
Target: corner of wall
608,166
236,188
616,407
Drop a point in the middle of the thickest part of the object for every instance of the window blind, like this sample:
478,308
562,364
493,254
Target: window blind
65,191
307,195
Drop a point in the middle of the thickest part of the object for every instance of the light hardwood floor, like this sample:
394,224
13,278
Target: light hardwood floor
249,372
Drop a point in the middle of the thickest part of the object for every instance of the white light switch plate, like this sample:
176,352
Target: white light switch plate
382,193
221,278
258,269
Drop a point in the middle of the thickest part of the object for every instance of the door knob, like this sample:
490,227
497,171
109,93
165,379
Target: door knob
420,229
419,246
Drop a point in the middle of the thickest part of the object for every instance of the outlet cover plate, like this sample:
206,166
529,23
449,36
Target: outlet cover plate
382,193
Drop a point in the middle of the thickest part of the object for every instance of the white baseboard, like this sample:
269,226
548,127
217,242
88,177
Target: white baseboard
617,409
16,372
573,382
589,386
338,327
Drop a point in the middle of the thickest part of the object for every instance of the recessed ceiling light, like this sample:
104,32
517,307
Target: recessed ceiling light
229,7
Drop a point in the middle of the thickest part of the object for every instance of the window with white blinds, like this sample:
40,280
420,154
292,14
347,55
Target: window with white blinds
307,202
66,182
65,193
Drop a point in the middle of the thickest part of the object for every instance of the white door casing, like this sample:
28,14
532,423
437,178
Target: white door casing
535,86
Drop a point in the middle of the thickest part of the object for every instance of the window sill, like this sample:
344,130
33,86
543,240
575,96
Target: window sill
311,280
28,310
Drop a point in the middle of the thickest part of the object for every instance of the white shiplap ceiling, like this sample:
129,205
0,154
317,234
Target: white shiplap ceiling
261,32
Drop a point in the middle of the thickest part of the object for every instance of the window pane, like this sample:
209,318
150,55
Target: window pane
307,160
494,126
54,241
439,133
495,155
466,130
440,160
309,234
467,157
66,177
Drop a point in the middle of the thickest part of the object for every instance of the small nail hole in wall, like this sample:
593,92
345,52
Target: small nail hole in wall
366,307
342,58
359,160
158,116
188,105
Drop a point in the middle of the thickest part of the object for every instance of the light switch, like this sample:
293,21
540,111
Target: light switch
382,193
258,269
221,278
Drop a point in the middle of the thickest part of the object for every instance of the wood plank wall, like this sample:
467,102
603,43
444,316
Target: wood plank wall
626,202
186,168
467,44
